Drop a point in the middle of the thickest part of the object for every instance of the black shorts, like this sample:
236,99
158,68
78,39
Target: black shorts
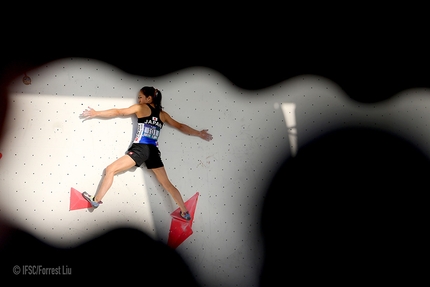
145,153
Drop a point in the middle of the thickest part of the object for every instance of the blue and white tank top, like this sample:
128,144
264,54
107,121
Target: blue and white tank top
148,128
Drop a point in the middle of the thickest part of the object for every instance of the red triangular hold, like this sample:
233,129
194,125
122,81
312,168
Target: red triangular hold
77,201
179,232
180,229
190,204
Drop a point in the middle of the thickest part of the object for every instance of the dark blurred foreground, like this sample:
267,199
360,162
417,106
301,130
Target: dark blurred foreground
350,208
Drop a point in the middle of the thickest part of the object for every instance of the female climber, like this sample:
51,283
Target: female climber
150,117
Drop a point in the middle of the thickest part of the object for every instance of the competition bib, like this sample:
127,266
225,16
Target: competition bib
147,134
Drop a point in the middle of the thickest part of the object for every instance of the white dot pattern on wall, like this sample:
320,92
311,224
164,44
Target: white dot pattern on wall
47,149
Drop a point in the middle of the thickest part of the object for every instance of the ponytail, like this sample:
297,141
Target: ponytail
155,94
157,99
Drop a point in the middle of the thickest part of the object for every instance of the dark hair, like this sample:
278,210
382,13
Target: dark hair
155,94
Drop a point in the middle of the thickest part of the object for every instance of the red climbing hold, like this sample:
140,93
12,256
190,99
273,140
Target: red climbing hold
181,229
77,201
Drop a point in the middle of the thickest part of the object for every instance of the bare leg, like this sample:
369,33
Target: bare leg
161,175
122,164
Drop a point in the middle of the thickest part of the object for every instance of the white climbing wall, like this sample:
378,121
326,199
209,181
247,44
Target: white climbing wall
47,149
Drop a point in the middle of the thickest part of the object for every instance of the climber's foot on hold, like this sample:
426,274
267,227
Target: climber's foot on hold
185,215
91,199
